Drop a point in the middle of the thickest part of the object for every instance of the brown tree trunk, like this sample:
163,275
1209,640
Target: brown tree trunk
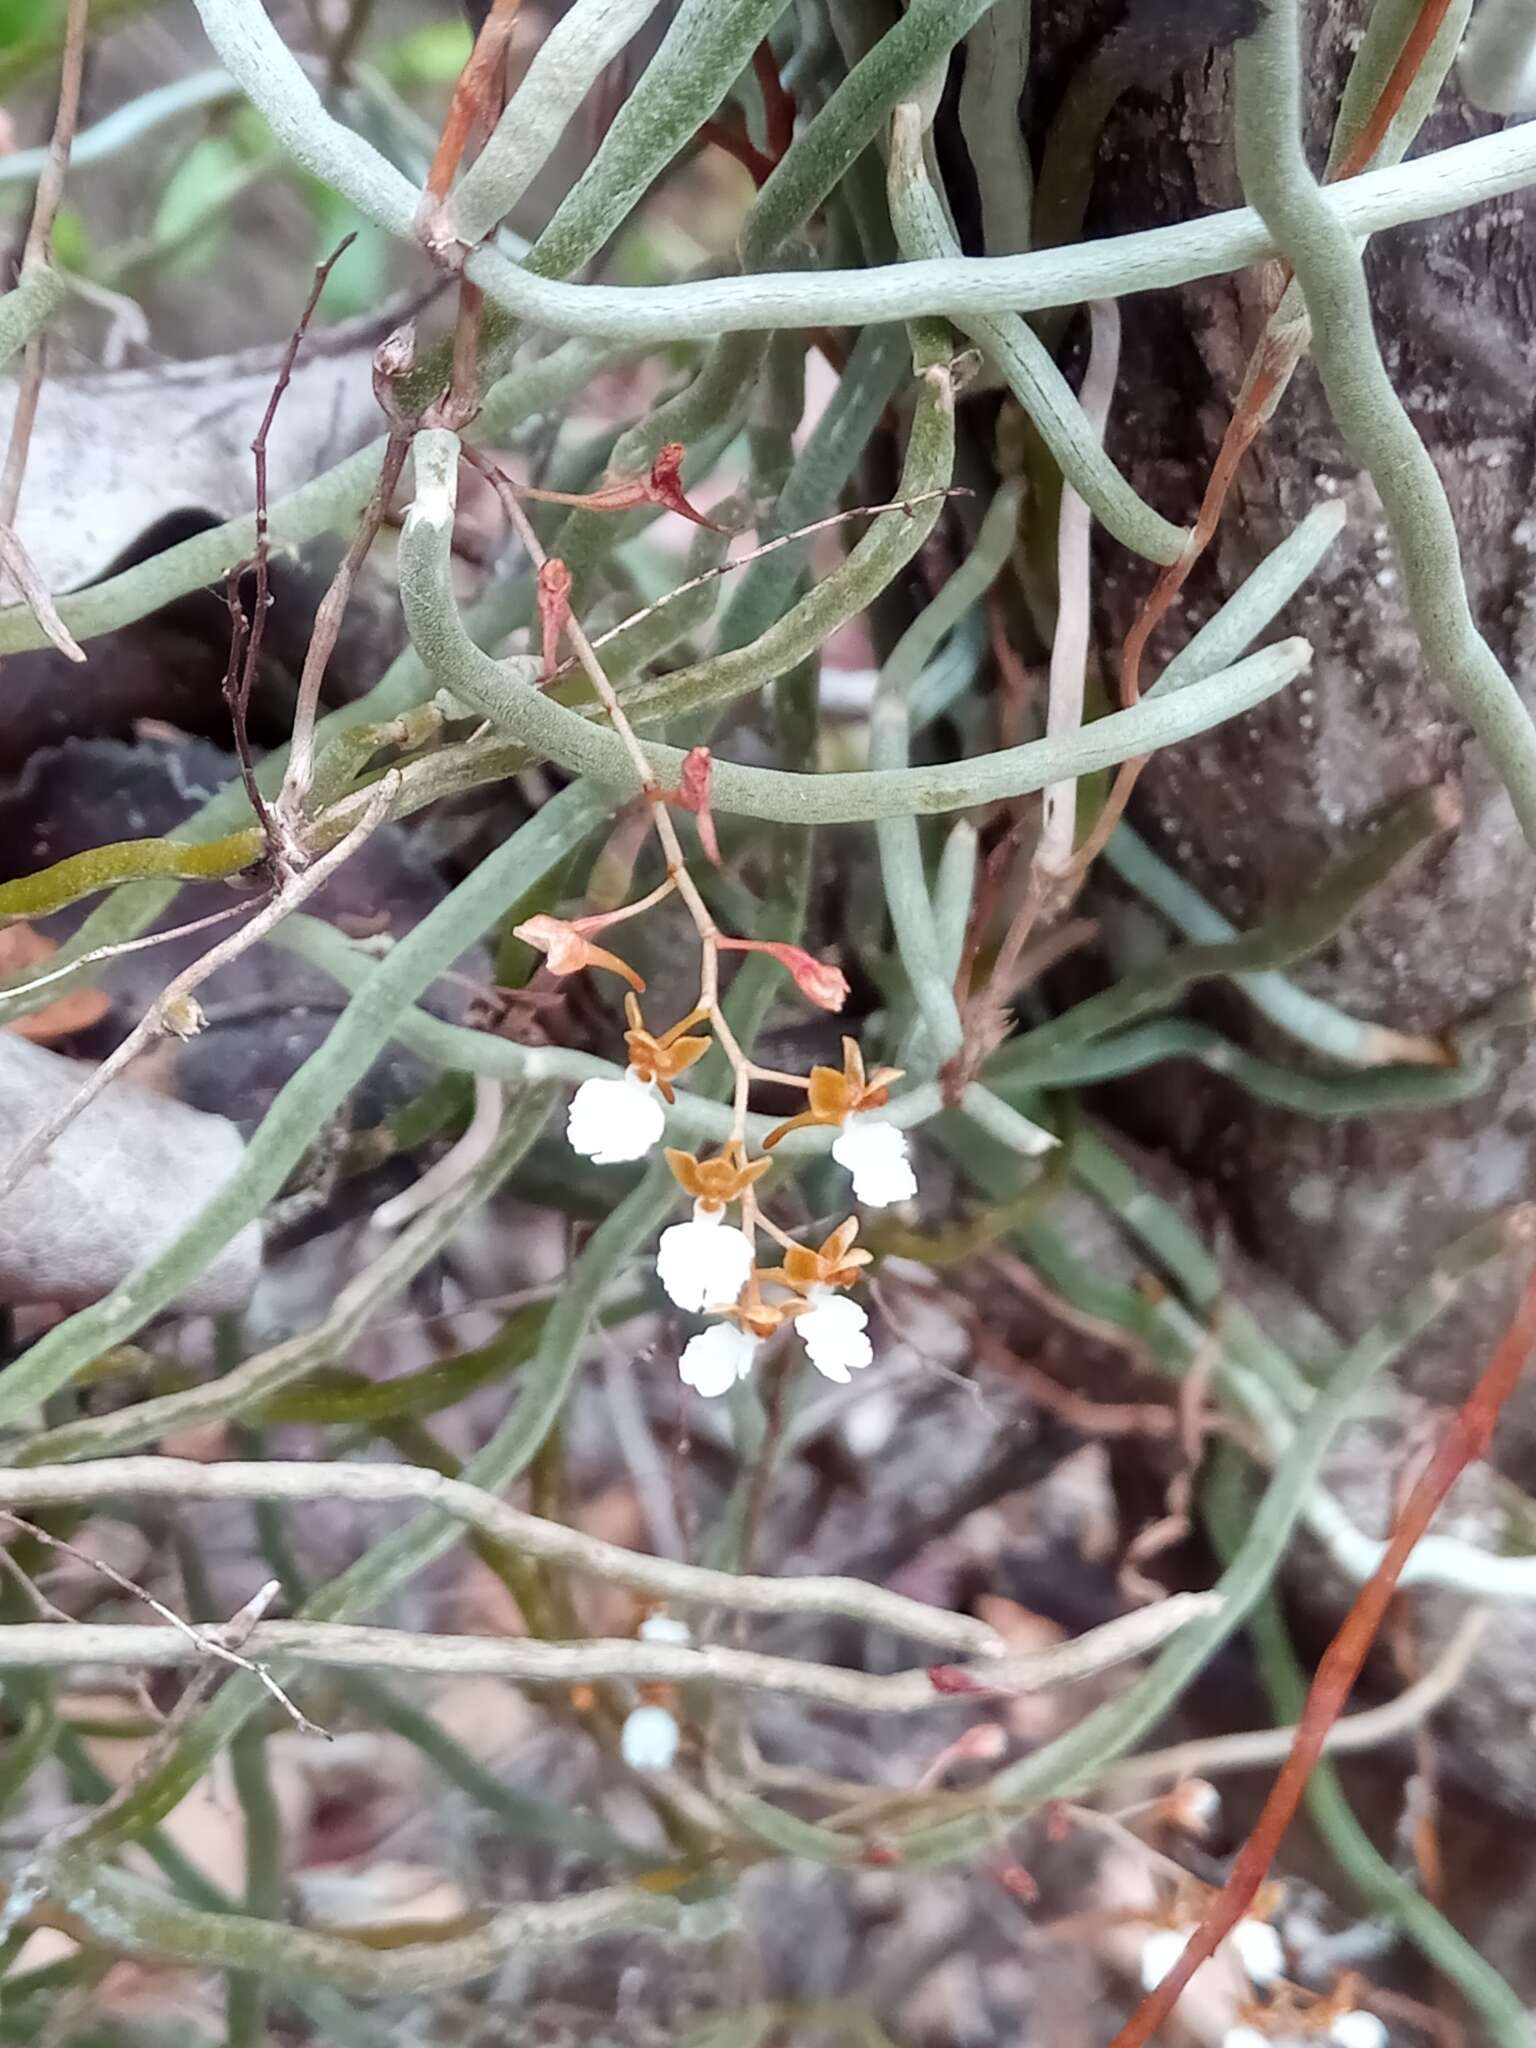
1347,1212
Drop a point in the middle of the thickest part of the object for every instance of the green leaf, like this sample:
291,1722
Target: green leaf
206,169
434,54
361,279
72,247
27,21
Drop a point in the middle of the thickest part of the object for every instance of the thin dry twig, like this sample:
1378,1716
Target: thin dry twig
742,561
99,953
90,1835
174,1012
205,1642
36,256
246,635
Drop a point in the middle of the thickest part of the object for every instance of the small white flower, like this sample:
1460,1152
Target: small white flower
705,1263
648,1740
613,1121
1356,2029
833,1333
716,1359
1194,1805
1159,1952
875,1153
666,1628
1259,1950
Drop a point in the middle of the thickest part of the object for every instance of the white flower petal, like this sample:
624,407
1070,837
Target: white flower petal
648,1740
1159,1952
610,1122
1246,2037
875,1153
834,1334
666,1628
703,1264
1194,1805
1357,2029
1259,1950
716,1359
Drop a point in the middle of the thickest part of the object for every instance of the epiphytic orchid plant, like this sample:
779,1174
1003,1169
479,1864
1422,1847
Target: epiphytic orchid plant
709,1265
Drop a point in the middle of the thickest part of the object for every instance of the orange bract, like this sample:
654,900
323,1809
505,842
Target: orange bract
835,1095
714,1183
662,1059
833,1264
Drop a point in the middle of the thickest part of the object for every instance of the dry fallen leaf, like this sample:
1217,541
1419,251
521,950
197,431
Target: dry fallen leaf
20,948
97,479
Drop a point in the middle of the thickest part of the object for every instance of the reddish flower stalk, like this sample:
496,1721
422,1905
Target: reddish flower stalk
1466,1440
664,486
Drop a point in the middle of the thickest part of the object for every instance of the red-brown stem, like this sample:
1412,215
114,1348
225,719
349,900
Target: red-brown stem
1416,46
737,143
479,85
778,105
1242,430
239,637
462,402
1466,1440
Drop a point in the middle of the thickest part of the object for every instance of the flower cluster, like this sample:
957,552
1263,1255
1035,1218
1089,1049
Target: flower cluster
1287,2017
708,1265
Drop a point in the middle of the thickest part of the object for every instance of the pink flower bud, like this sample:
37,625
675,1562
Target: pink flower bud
818,980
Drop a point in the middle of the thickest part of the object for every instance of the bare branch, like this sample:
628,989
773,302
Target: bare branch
34,1645
551,1542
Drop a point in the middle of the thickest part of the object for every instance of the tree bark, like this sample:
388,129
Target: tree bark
1346,1212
